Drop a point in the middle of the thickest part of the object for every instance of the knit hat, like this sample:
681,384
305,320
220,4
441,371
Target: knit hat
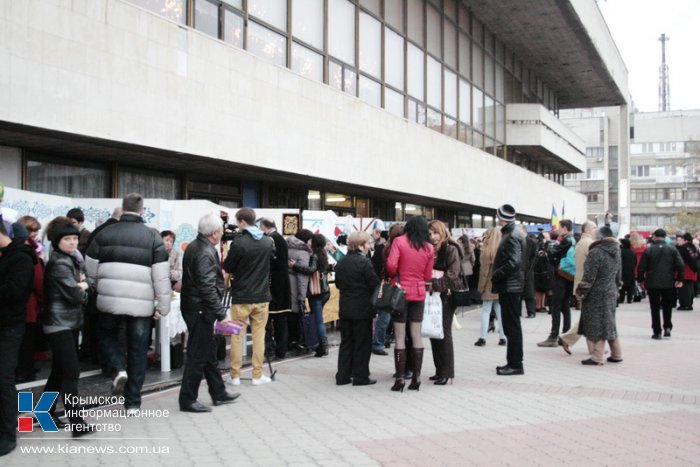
19,232
688,237
60,230
506,213
660,233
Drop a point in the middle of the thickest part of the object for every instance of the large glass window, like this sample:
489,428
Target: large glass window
393,59
415,15
393,14
273,12
465,100
233,28
416,71
434,83
67,180
478,109
370,45
489,113
434,32
434,121
371,5
370,91
267,44
464,56
488,74
341,30
393,102
450,93
306,62
477,65
450,128
342,78
307,22
171,9
148,185
450,39
206,17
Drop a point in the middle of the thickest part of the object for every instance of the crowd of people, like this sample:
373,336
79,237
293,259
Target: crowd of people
80,289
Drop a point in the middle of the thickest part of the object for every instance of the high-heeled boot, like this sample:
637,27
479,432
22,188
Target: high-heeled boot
400,365
322,348
417,365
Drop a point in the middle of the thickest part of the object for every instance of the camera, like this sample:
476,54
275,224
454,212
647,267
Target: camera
231,231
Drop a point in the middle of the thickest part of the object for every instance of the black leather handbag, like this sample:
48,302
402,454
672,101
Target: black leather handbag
461,297
389,297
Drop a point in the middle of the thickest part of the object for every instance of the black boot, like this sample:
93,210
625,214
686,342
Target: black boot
417,365
322,348
400,365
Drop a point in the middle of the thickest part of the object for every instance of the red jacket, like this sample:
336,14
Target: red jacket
639,251
414,267
36,299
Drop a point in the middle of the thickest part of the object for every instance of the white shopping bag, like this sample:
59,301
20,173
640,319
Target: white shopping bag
432,317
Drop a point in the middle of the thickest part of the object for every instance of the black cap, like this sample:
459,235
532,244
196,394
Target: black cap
661,233
605,232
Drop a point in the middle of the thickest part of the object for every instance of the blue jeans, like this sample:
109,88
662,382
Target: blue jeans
485,313
137,333
380,326
316,303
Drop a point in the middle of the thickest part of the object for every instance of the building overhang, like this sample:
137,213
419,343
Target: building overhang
565,42
536,133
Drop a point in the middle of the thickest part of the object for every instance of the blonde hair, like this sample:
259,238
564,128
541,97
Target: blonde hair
492,238
356,240
439,228
637,240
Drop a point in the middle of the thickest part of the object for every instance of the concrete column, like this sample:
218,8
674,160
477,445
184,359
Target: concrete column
623,159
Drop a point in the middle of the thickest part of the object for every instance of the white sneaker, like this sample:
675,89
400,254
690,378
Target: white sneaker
234,381
262,380
119,383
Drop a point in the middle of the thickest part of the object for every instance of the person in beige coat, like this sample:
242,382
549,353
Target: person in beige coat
588,232
492,238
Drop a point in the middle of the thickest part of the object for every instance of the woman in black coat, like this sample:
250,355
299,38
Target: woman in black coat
356,280
629,264
65,293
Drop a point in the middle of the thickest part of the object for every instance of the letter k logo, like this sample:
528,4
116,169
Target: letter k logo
25,403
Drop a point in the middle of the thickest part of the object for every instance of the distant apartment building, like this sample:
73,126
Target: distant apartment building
663,180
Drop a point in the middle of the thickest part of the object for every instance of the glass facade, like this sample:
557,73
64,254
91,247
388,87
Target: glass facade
432,62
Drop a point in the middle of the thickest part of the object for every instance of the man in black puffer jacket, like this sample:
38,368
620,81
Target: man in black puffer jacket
508,281
16,280
661,269
128,266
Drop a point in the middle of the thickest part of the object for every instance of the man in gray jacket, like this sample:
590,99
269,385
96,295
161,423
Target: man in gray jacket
128,266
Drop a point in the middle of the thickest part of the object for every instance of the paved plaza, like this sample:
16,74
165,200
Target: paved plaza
644,411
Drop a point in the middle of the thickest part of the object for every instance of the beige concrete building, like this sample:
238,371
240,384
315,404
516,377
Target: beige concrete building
374,108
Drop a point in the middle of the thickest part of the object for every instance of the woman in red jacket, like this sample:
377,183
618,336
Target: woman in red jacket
411,263
25,365
638,246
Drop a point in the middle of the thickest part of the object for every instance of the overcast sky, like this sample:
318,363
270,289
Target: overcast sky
636,26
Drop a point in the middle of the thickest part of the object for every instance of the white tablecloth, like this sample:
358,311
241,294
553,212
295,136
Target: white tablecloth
173,320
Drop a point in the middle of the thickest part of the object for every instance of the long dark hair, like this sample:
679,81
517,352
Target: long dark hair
318,246
466,244
416,230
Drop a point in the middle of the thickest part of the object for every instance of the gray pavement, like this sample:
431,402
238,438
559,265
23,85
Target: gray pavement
643,411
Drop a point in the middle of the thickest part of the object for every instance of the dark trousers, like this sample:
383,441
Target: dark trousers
277,328
510,314
661,299
137,333
10,341
25,362
626,290
529,305
294,327
686,294
89,347
65,370
355,350
201,361
560,305
443,349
